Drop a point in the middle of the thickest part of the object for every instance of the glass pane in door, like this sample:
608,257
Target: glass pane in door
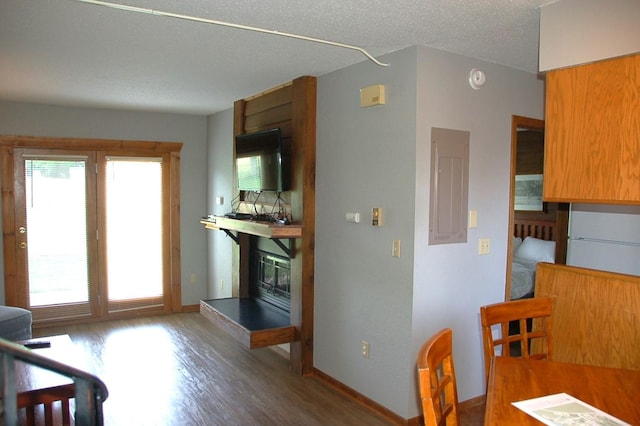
56,203
134,228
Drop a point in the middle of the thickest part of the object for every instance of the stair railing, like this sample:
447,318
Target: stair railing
90,391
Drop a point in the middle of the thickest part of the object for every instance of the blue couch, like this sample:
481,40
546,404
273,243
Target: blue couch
15,323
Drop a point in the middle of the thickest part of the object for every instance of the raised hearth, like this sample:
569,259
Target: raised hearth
254,323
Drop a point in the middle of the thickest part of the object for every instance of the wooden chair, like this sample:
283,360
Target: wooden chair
437,380
529,335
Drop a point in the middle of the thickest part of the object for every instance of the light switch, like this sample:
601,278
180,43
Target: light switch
376,216
473,218
395,252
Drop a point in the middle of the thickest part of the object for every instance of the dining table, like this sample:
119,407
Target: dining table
612,390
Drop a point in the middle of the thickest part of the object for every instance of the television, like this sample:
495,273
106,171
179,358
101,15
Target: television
263,161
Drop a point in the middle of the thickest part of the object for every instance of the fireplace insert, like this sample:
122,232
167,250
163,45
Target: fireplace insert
271,279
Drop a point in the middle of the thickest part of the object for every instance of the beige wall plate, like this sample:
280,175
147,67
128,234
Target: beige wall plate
372,95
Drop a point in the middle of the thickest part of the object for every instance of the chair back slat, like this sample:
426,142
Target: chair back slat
525,329
437,380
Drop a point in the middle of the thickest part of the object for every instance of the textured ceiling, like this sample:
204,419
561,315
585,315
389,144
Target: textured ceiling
65,52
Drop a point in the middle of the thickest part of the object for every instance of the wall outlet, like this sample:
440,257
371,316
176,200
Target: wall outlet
364,349
483,246
193,278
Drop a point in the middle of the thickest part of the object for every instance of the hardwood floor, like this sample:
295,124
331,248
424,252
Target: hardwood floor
472,415
181,370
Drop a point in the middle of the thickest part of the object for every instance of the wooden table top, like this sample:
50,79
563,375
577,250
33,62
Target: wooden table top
614,391
62,349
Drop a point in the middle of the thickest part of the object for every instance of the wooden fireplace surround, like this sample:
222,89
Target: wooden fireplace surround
292,108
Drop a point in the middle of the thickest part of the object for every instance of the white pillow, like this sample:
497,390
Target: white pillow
537,250
516,243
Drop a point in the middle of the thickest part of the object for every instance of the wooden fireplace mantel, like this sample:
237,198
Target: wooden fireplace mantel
270,230
251,227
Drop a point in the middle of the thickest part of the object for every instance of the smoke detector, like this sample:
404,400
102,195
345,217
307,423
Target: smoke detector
476,78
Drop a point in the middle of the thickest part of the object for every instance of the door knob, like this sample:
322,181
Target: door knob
22,230
23,245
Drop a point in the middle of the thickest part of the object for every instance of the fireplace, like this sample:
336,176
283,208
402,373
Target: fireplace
270,279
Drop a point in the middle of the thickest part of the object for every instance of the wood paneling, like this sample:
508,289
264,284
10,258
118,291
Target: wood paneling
530,152
303,202
292,108
275,117
592,147
174,262
266,100
596,317
121,147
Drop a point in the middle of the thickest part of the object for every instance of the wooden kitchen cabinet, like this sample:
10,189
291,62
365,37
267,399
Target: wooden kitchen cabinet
592,146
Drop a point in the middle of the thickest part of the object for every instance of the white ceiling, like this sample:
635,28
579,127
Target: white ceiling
65,52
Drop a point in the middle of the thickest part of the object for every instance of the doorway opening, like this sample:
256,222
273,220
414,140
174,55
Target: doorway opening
545,224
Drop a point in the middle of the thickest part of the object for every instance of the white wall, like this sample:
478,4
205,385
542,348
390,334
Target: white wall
605,237
53,121
575,32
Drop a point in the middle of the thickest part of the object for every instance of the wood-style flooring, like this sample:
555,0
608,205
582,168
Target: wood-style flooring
180,369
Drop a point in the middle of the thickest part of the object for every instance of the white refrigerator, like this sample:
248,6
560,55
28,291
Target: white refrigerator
605,237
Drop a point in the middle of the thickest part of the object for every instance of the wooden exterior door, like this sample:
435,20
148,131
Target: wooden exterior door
90,233
55,221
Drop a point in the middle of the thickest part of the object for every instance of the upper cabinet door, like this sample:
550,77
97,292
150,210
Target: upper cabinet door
592,146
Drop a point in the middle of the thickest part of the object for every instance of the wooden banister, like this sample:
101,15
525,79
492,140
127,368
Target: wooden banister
88,390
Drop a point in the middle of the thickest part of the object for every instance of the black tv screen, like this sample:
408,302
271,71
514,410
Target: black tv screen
262,161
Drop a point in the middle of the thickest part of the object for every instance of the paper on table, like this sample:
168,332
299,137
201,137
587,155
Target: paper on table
562,409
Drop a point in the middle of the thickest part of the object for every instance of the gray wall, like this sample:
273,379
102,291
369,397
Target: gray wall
55,121
374,157
452,281
220,179
575,32
380,157
366,159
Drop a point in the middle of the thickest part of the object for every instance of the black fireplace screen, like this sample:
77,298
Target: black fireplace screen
271,281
